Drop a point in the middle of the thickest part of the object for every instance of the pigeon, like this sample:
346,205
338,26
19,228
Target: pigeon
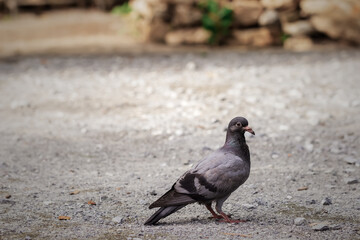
213,179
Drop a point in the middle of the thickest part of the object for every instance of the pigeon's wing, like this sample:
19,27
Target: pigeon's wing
217,175
214,177
172,198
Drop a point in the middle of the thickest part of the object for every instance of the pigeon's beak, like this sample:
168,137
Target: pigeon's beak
249,129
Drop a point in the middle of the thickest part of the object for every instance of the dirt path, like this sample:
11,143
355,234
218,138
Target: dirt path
121,129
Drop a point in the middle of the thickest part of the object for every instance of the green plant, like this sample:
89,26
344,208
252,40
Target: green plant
122,9
284,37
217,20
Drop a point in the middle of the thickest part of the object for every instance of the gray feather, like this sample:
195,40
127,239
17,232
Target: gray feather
162,213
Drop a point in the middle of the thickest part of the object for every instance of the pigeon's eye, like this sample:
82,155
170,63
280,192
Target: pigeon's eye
238,124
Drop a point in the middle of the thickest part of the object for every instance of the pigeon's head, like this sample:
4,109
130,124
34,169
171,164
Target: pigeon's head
240,124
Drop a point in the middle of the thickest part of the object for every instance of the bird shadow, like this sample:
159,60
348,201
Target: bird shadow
201,221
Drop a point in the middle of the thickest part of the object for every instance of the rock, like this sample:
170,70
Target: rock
289,16
336,8
322,226
279,4
350,160
298,28
351,180
185,15
298,44
283,127
335,29
309,146
148,9
334,227
326,201
246,13
28,238
187,36
268,17
261,202
117,219
311,202
258,37
157,30
190,66
337,19
249,206
299,221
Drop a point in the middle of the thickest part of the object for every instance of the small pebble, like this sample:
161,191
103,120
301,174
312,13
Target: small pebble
323,226
350,160
351,180
311,201
309,146
190,66
249,206
334,227
326,201
260,202
117,219
299,221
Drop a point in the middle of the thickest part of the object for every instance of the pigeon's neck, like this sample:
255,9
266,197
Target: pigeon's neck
236,143
235,139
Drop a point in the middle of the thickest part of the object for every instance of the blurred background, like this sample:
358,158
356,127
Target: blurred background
58,26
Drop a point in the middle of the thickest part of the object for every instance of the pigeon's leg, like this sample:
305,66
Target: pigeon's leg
216,216
227,218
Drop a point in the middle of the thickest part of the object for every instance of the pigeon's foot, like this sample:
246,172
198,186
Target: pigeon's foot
232,220
214,215
227,219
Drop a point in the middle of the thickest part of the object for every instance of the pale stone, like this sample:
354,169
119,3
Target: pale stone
158,30
299,221
337,19
334,8
268,17
187,36
274,4
298,44
246,13
148,9
335,29
298,28
186,14
258,37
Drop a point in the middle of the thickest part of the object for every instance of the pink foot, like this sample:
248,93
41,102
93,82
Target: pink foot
227,219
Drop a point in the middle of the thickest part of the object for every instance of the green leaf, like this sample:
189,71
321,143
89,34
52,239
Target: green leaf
225,13
208,23
215,19
212,6
122,9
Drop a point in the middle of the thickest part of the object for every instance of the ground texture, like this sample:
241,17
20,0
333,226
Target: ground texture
119,130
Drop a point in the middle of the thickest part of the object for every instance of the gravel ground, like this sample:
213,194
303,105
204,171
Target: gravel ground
119,130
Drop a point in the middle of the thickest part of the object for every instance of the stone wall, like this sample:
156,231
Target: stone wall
294,23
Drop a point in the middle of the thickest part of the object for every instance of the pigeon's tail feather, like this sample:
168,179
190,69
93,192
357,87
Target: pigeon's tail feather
172,198
162,213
